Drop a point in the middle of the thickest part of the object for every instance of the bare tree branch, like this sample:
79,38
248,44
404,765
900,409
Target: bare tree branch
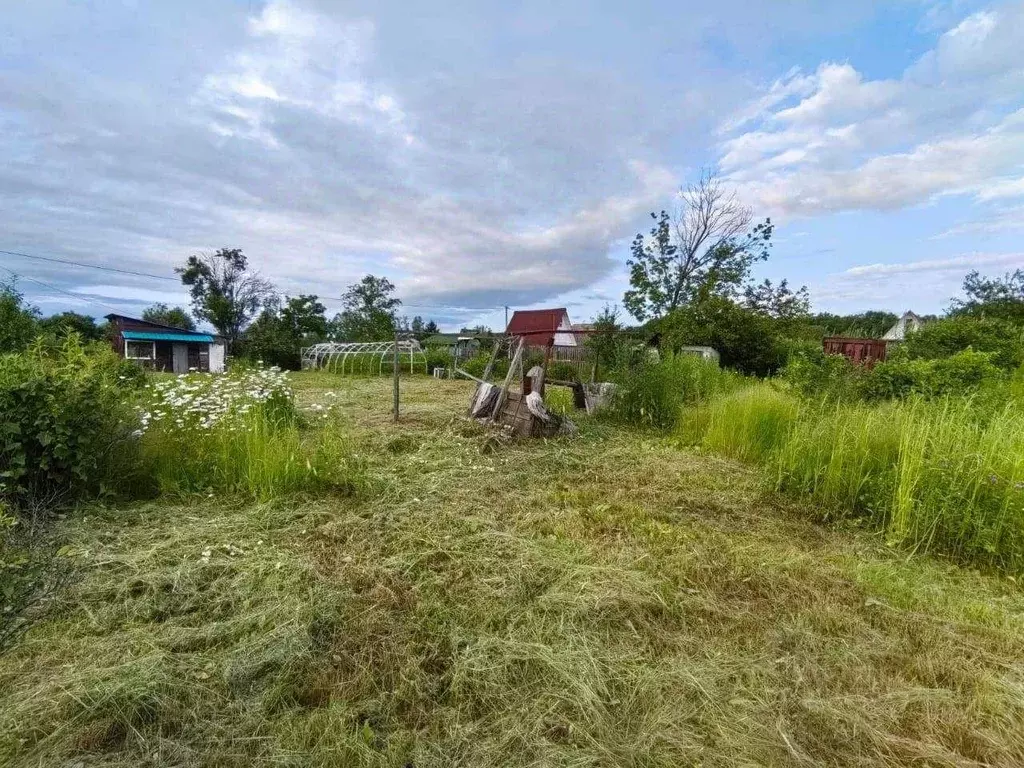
705,246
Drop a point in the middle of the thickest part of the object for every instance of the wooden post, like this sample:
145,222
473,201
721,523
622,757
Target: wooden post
485,379
494,356
396,372
544,370
508,380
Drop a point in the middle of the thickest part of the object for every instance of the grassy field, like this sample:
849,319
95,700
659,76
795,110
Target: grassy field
608,600
939,475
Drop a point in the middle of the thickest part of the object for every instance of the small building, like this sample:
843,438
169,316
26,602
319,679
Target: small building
165,348
908,323
704,353
457,343
543,327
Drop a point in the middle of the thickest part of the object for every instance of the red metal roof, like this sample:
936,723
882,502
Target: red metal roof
537,326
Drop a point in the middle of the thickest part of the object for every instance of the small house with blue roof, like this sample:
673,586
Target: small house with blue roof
166,348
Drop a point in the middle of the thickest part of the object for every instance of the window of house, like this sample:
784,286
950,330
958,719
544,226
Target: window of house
140,350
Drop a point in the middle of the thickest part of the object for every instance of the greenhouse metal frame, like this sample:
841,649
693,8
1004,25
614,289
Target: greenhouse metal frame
342,356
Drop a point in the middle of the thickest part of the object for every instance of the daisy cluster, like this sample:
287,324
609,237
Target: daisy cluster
203,400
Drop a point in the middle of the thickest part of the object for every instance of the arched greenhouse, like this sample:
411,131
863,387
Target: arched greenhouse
372,357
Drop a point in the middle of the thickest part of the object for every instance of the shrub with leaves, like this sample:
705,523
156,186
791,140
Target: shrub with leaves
65,427
653,392
477,365
814,374
945,337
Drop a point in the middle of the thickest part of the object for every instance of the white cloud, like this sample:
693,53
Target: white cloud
1002,220
832,141
304,60
133,293
899,286
959,264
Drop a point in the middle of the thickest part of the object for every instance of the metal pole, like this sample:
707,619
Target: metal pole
396,375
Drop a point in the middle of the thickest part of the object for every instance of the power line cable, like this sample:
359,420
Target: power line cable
76,296
88,266
175,279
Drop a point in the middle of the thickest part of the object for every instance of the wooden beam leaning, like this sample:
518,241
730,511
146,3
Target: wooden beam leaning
508,380
487,372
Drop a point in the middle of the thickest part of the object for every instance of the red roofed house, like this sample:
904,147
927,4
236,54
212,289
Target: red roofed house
542,327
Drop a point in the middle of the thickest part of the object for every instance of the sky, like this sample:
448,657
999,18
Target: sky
489,154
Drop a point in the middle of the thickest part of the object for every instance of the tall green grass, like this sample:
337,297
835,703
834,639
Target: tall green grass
935,475
747,424
653,393
256,455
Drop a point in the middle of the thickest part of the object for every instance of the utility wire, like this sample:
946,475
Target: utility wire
76,296
175,279
89,266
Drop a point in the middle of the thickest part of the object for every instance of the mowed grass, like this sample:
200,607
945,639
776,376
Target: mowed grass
607,600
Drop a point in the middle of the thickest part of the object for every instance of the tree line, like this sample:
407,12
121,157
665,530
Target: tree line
258,322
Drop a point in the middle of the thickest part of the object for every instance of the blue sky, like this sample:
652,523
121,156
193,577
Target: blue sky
481,154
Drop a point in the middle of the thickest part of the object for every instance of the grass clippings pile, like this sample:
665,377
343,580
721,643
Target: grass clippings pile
604,601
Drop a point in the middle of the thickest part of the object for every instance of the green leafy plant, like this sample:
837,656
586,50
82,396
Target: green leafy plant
653,391
948,336
65,426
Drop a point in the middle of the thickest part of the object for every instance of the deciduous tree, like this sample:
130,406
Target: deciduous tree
224,292
992,296
176,317
84,325
705,248
17,319
779,302
277,336
369,312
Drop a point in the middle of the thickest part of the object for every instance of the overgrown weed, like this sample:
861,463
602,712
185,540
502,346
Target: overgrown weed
934,475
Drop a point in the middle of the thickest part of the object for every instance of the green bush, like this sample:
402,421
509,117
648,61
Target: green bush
812,373
948,336
962,373
18,320
747,341
437,357
476,366
653,393
566,371
65,426
818,376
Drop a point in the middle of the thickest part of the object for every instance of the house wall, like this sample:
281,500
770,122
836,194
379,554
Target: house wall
217,356
565,337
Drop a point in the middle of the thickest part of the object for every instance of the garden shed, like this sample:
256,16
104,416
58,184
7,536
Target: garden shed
908,323
542,327
166,348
